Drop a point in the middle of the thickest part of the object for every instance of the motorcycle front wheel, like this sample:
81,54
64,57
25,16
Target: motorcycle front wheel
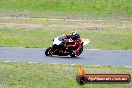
49,51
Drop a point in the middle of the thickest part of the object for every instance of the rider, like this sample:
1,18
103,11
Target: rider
75,42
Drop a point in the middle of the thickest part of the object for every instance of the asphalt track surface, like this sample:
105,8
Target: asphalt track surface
88,57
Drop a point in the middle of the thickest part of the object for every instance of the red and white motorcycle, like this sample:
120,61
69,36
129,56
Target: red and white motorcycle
58,47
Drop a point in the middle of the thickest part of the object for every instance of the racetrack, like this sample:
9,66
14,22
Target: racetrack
88,57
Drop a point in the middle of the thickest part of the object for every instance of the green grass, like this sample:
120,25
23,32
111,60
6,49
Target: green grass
85,8
39,75
100,39
104,34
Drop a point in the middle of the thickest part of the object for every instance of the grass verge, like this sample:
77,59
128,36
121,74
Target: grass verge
39,75
37,32
42,8
100,39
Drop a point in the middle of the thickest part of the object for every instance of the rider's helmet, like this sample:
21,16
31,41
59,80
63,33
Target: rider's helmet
75,36
68,36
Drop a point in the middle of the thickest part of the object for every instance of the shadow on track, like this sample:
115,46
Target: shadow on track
64,57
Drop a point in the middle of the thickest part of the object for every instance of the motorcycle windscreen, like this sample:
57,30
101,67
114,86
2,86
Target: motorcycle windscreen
59,39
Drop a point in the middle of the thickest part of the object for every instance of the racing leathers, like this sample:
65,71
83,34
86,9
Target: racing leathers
73,45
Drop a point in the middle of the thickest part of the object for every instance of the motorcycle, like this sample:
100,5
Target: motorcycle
59,47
